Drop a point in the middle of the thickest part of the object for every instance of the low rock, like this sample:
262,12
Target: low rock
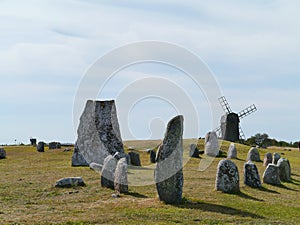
251,176
232,152
253,155
2,153
276,157
267,159
227,179
134,159
96,167
108,171
194,151
70,182
121,180
284,170
271,175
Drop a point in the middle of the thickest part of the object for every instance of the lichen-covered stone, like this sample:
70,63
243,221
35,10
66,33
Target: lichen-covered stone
134,159
211,144
267,159
121,180
251,176
232,152
108,172
271,175
2,153
284,170
98,131
194,151
276,157
70,182
168,173
253,155
40,147
227,179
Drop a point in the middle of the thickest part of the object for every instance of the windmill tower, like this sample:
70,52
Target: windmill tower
230,128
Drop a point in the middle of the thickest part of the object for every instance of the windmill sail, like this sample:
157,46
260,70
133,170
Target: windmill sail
247,111
225,105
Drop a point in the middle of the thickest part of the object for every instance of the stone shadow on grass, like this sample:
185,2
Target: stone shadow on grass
244,195
208,207
268,190
136,195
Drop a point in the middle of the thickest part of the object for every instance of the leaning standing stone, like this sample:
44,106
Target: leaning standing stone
267,159
134,159
40,147
70,182
121,181
276,157
271,175
2,153
168,173
232,153
251,176
108,171
284,170
227,179
253,155
194,151
211,144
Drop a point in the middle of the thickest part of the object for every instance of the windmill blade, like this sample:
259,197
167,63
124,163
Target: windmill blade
242,135
246,112
225,104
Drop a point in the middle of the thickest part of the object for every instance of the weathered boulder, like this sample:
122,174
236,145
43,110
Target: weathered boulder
152,156
284,170
40,147
227,179
194,151
276,157
54,145
271,175
70,182
134,159
121,180
108,172
232,152
211,144
98,131
253,155
251,176
267,159
77,158
2,153
168,173
96,167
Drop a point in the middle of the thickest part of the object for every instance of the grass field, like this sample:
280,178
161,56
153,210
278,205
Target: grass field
28,195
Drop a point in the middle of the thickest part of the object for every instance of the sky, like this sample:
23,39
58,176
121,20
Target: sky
47,47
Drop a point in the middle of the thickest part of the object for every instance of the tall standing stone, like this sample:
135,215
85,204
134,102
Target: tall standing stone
134,159
253,155
232,153
98,131
211,144
121,180
276,157
227,179
230,127
284,170
108,172
40,147
2,153
251,176
168,173
267,159
271,175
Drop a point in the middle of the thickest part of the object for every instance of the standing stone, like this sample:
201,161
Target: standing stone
77,158
230,127
33,141
271,175
194,151
134,158
40,147
121,181
253,155
54,145
2,153
152,156
276,157
284,170
211,144
227,179
108,171
267,159
251,176
232,153
98,131
168,173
